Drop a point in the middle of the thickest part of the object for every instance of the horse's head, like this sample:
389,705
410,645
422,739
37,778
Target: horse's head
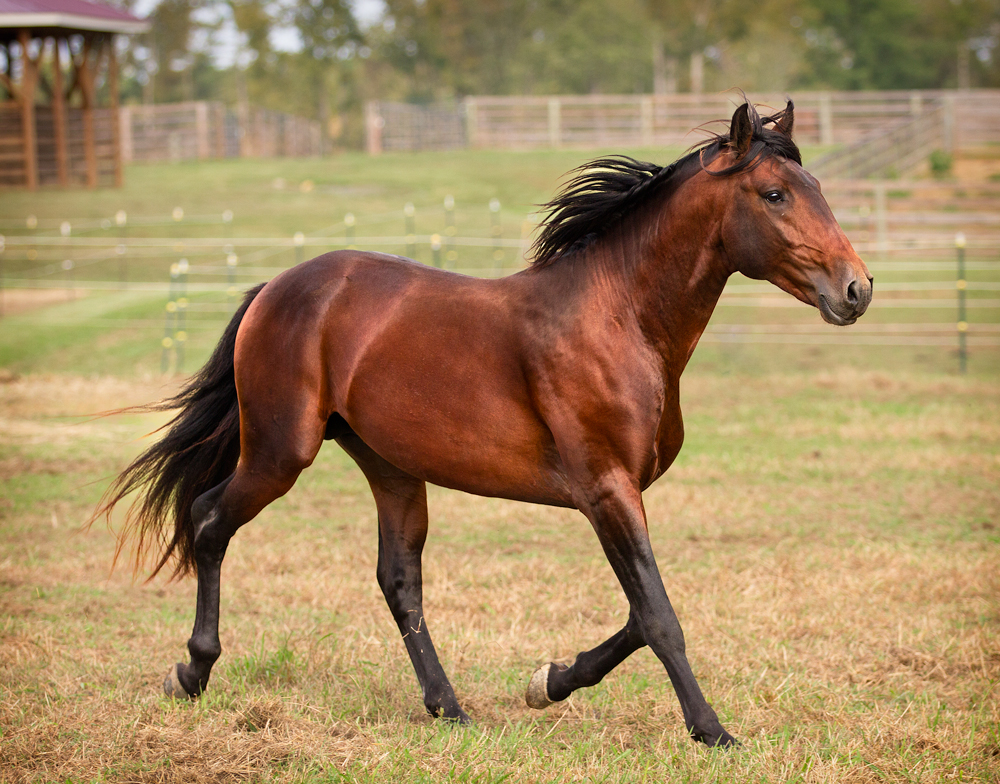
778,227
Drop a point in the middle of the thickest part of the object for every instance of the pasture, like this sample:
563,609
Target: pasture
828,536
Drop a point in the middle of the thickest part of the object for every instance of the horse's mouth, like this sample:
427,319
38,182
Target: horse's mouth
831,316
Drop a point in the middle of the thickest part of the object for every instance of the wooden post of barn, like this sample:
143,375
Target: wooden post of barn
85,76
39,151
116,146
29,80
59,114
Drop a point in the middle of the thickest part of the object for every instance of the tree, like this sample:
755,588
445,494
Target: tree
584,46
899,44
330,36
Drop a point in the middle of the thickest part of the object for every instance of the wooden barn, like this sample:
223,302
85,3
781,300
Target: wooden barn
54,56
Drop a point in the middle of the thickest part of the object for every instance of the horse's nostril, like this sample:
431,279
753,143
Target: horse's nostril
852,292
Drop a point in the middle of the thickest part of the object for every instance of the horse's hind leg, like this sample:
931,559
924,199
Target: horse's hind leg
401,500
269,464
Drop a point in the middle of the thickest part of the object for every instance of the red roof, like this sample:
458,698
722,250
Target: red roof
68,14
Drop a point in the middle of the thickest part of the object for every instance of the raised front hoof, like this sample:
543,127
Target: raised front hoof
537,694
174,687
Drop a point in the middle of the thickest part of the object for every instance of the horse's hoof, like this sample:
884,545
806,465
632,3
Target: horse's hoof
717,739
173,687
537,695
460,720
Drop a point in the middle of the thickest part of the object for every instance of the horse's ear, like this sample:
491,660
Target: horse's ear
741,131
784,120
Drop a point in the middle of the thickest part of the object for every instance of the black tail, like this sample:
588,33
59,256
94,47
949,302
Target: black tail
200,449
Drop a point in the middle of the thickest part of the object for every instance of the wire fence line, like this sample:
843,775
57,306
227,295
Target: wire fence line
60,255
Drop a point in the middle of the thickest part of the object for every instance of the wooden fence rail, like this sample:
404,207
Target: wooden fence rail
589,121
199,130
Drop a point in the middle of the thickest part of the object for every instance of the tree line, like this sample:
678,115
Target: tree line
315,58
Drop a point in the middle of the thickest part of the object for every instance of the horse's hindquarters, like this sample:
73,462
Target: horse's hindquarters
424,366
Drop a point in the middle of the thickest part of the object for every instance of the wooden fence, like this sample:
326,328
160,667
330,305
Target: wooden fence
914,218
963,120
199,130
410,127
590,121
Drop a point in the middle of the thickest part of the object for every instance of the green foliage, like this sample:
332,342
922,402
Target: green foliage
941,162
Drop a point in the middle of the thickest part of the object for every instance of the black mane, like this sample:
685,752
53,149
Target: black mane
605,190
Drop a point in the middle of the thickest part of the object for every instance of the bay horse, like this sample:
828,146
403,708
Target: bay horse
555,385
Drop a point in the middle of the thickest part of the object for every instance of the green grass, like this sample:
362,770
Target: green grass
120,333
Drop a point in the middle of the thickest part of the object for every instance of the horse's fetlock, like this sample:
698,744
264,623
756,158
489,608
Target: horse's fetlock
208,652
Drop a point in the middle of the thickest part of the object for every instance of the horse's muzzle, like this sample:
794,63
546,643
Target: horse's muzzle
846,307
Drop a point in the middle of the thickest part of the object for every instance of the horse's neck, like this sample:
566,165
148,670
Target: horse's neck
672,270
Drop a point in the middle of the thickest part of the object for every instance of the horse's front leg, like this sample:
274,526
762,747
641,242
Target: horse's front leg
613,504
555,682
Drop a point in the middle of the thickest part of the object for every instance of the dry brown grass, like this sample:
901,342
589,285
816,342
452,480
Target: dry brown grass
829,542
26,300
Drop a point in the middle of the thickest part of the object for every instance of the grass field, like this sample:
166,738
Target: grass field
829,536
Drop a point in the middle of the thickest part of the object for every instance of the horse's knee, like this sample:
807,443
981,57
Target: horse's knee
662,633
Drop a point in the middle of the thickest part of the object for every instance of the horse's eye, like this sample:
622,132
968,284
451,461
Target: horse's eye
773,197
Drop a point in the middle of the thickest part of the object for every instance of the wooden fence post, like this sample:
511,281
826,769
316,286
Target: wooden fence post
555,123
218,130
949,123
125,131
243,130
646,120
471,123
201,129
373,128
881,219
825,119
